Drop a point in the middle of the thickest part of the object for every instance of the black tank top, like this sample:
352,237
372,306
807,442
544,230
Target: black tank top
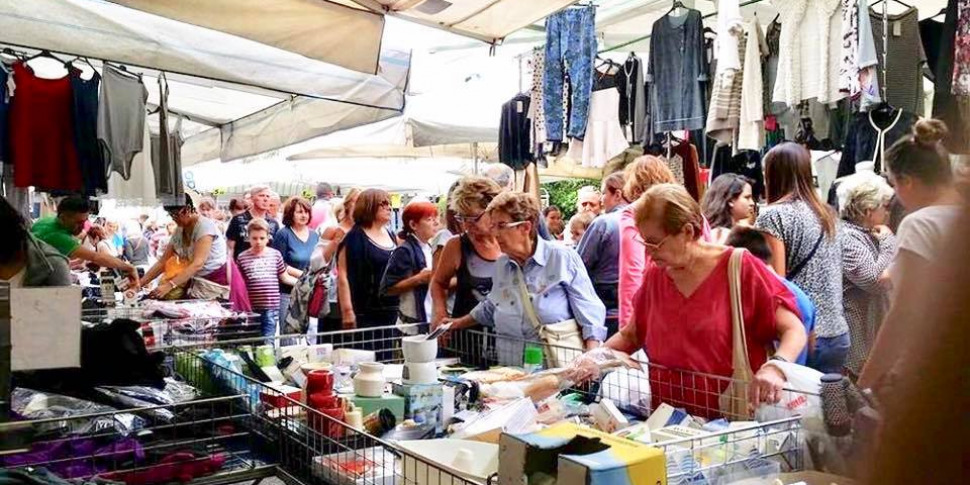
474,279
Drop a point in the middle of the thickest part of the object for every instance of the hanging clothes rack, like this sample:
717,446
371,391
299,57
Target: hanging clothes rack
645,37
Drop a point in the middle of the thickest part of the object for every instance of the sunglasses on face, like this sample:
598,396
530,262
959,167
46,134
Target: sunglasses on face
385,203
469,219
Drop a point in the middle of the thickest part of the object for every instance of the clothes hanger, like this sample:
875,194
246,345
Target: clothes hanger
43,53
677,4
942,12
70,63
877,2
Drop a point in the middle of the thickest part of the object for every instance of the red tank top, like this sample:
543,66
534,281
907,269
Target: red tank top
42,133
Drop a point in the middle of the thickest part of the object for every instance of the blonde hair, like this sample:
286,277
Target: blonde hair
581,220
643,173
258,224
520,206
672,207
473,193
339,206
862,193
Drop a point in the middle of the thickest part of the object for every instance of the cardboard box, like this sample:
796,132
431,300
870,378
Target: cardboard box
422,400
370,405
574,455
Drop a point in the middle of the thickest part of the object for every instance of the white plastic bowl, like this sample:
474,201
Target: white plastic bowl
419,350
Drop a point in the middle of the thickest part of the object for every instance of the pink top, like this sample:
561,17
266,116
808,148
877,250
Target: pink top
634,261
320,214
694,332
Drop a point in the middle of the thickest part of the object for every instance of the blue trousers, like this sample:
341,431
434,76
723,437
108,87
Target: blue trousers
268,319
570,49
830,354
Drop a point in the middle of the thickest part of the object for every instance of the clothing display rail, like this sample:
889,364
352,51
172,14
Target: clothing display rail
645,37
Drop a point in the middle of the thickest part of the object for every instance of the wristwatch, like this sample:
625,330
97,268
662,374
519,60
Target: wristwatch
778,358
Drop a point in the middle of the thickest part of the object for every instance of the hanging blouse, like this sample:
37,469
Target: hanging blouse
868,140
42,133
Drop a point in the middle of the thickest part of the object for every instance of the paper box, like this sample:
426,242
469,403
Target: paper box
370,405
422,400
370,466
574,455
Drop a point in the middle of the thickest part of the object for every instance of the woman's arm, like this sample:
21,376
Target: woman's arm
777,254
626,339
769,381
588,310
200,253
159,266
334,235
858,266
343,292
444,271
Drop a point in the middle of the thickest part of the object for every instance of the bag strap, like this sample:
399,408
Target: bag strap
790,275
530,310
739,348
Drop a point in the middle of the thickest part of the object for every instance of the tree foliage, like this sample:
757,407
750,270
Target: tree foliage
562,194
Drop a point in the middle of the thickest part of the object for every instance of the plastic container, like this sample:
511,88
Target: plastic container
533,359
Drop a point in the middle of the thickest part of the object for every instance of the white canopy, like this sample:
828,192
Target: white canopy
487,20
243,88
317,29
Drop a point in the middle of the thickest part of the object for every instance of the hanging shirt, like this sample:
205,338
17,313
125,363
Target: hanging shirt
84,111
868,140
121,118
633,100
515,141
904,72
677,72
42,134
139,188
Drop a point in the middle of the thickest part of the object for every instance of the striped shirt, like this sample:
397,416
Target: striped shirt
262,273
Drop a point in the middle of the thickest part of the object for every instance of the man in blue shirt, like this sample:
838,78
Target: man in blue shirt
600,249
755,242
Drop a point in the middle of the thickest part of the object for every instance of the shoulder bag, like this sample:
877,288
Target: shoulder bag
791,275
564,340
733,402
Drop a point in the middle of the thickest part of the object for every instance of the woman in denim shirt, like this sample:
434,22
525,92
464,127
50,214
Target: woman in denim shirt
555,279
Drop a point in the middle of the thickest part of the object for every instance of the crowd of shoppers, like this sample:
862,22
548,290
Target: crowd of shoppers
645,266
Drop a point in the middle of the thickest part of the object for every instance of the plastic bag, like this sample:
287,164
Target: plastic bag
801,395
628,388
32,404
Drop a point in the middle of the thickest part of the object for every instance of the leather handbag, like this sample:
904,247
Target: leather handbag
564,340
733,402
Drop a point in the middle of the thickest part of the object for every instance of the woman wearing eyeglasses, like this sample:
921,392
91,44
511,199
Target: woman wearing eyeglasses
467,262
361,260
682,313
198,244
553,276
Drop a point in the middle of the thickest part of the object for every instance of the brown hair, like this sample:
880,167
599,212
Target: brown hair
643,173
613,183
716,203
520,206
97,233
258,224
788,177
672,206
472,193
922,155
238,205
289,209
368,203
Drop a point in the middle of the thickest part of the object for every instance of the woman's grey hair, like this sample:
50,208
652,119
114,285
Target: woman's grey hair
500,174
860,194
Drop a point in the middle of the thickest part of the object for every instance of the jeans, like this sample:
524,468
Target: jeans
830,353
268,320
570,49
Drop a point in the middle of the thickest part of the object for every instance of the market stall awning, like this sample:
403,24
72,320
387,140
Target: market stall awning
487,20
319,29
103,30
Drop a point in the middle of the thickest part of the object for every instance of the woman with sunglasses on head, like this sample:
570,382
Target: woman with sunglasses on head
682,314
199,246
802,234
362,258
469,258
550,277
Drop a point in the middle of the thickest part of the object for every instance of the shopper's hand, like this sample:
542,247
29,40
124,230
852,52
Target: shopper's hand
768,385
133,277
425,276
161,290
592,344
881,232
349,322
